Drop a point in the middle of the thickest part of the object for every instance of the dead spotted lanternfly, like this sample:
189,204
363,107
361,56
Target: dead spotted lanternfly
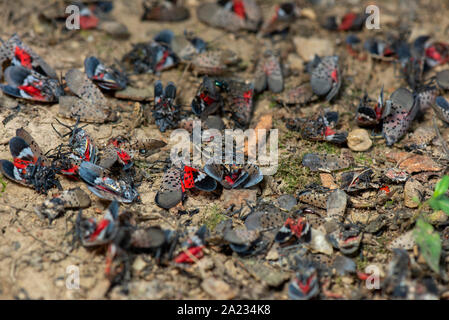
229,149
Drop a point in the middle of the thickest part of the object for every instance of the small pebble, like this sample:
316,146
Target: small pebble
287,202
359,140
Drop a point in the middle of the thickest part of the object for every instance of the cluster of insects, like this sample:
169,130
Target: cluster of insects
312,220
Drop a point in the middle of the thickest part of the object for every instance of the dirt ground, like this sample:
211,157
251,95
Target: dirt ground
34,254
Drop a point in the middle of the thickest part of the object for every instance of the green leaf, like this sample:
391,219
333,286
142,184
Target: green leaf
429,242
433,203
443,204
441,187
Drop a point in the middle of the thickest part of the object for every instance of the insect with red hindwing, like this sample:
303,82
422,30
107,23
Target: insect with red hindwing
151,57
298,229
30,167
28,75
306,284
284,15
19,54
165,112
28,84
177,180
124,151
116,232
325,76
194,246
367,115
106,187
321,127
231,15
91,233
269,73
234,176
208,98
80,148
107,78
240,99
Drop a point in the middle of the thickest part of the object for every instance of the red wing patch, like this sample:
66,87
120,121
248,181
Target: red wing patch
88,22
188,181
347,21
23,56
239,8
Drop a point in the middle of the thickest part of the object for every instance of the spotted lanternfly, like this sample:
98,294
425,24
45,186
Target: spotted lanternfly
355,180
241,240
28,75
325,162
232,15
214,62
81,148
315,197
305,286
208,98
234,176
185,46
92,233
165,112
88,104
167,10
380,49
177,180
108,78
325,77
346,238
435,52
404,108
194,178
240,100
426,97
19,54
69,199
299,95
284,15
170,192
29,166
367,115
351,21
298,228
27,84
88,19
151,57
194,247
135,149
319,128
117,151
269,73
105,187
